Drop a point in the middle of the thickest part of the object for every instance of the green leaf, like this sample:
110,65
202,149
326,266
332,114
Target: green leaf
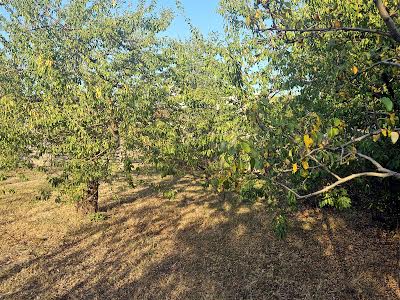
258,165
337,122
388,103
245,147
332,132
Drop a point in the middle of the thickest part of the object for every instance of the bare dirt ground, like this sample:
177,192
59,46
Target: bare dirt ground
195,246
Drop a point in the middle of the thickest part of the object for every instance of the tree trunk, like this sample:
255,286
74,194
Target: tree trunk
90,201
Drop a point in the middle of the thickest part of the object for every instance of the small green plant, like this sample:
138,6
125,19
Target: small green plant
337,198
251,191
42,169
280,225
44,194
97,217
170,194
58,199
23,177
130,181
3,176
205,184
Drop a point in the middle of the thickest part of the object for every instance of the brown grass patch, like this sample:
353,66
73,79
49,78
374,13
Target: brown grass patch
192,247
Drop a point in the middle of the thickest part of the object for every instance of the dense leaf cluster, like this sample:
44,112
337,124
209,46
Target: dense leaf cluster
299,99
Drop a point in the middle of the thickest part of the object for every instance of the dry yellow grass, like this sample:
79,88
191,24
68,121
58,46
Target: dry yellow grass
193,247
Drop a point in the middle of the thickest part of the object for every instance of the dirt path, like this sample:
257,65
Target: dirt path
192,247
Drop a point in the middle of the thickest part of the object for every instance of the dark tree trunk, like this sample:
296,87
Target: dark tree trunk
90,201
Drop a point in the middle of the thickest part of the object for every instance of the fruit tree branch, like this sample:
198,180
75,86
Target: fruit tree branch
394,31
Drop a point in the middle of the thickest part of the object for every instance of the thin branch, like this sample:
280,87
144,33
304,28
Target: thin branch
381,172
325,167
339,182
289,189
385,61
390,63
375,163
360,138
379,167
330,29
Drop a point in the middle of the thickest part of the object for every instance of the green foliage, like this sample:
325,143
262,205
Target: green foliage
310,91
388,103
170,194
287,98
72,90
292,200
280,225
3,176
251,191
23,177
97,217
44,194
337,198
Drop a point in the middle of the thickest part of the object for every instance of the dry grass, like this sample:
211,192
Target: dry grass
192,247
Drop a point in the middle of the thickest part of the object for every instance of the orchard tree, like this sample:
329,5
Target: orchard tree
202,110
75,77
327,102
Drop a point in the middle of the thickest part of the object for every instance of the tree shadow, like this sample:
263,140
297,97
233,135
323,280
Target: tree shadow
199,247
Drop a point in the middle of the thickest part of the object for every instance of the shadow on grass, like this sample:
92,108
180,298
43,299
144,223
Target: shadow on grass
198,247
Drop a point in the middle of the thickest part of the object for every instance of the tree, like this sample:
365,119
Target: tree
82,70
326,78
201,111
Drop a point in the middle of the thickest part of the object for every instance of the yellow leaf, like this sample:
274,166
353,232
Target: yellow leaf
257,15
49,63
376,137
295,168
304,173
290,153
394,136
337,24
392,118
342,94
98,92
355,70
39,60
308,141
384,132
305,164
248,21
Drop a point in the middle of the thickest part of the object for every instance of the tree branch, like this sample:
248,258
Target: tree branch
382,62
330,29
381,172
390,63
394,31
379,167
360,138
325,167
335,184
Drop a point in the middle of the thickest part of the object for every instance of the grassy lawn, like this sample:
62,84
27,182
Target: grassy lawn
191,246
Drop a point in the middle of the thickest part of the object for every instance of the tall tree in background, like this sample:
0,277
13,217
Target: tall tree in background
201,111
